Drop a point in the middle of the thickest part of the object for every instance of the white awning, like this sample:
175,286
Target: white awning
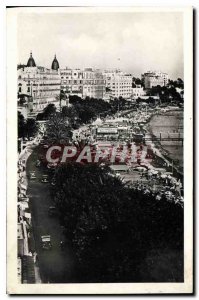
27,215
23,187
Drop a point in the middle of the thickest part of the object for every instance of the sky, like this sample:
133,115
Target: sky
134,42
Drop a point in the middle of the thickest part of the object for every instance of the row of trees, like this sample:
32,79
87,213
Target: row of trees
119,234
179,83
60,124
83,111
170,92
90,108
80,111
166,94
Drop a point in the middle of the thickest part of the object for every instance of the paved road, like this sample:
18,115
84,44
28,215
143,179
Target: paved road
56,265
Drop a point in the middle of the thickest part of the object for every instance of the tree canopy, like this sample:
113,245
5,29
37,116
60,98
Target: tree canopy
137,81
26,128
170,92
48,111
58,128
119,234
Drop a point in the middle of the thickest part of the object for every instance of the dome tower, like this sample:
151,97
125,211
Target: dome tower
31,62
55,64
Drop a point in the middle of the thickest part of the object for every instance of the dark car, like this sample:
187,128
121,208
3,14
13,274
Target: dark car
52,211
46,242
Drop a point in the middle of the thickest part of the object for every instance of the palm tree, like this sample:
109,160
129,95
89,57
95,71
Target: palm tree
58,129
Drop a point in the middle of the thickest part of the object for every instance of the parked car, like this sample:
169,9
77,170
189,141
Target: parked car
45,180
52,211
46,242
32,175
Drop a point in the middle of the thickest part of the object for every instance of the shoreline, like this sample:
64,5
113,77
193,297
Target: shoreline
166,155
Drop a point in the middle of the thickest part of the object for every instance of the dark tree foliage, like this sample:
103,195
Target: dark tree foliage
31,127
90,108
48,111
84,111
21,126
58,129
26,128
120,105
72,115
119,234
179,83
137,81
169,93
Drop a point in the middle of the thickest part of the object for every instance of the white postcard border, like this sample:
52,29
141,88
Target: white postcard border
13,287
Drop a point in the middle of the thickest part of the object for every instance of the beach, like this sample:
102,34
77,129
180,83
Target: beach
167,125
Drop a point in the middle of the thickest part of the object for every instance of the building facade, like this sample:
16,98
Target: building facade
39,84
83,83
153,78
138,91
119,83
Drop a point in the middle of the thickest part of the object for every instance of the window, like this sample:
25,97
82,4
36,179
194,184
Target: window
28,89
19,89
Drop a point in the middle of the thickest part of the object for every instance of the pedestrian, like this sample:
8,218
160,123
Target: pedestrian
62,244
35,257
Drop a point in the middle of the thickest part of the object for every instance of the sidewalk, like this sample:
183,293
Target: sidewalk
24,155
37,274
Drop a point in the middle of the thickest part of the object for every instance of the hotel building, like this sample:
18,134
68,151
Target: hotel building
119,83
83,83
41,86
153,78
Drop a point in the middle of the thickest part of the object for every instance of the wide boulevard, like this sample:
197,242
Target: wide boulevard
56,265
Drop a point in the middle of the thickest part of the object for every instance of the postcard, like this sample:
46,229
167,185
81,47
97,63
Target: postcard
99,150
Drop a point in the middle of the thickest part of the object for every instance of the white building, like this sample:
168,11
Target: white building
165,77
83,83
39,84
119,83
72,81
154,78
138,91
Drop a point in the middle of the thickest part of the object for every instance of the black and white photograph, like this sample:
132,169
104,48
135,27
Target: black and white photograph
99,178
